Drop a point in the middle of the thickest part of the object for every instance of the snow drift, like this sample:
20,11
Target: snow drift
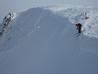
43,41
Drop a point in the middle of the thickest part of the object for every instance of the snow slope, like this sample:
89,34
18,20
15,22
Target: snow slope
43,41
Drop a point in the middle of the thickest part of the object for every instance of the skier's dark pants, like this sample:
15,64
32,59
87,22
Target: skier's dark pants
79,31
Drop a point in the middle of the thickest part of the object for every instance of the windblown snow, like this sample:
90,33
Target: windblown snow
44,41
78,15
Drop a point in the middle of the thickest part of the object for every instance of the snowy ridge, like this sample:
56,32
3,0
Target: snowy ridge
76,14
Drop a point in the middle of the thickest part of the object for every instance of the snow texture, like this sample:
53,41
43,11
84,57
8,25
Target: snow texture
43,41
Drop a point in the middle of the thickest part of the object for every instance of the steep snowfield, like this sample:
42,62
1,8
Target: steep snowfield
43,41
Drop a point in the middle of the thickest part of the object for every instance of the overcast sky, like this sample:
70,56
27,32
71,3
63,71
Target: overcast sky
20,5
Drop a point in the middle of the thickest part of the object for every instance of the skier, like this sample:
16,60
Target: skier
79,27
5,23
8,19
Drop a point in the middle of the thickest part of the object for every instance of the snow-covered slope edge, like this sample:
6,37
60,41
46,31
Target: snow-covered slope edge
77,14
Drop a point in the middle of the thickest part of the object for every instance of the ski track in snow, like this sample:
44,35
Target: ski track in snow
38,20
36,26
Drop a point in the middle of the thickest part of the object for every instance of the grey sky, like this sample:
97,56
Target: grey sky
20,5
